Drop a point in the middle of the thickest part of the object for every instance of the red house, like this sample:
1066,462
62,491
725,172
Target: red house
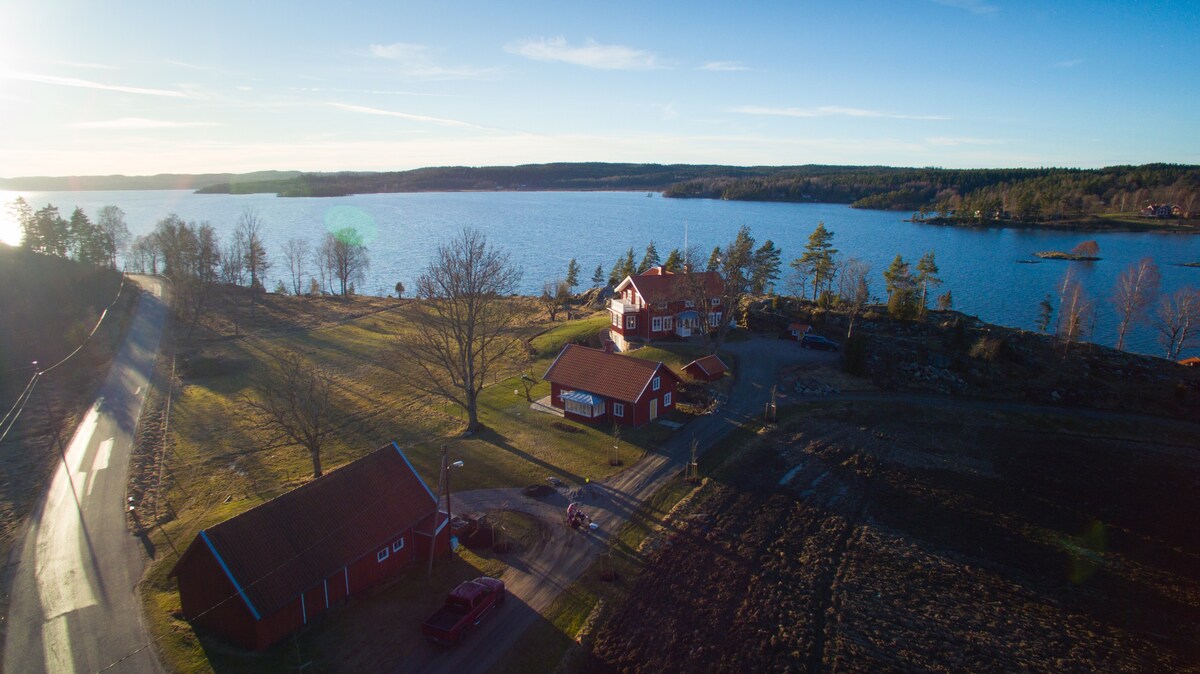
260,575
591,385
797,331
658,304
708,368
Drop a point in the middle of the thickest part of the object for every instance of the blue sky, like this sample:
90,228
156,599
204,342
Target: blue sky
141,88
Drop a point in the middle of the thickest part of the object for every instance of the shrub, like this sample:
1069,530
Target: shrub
903,305
988,348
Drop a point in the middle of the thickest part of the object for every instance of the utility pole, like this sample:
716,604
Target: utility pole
434,528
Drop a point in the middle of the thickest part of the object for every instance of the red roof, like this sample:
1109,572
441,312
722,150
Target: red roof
1193,361
709,365
656,288
609,375
799,328
277,550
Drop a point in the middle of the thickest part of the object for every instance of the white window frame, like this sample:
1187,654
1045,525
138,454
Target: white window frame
714,319
399,545
619,410
689,304
382,555
656,324
667,399
716,301
655,383
630,322
668,323
616,319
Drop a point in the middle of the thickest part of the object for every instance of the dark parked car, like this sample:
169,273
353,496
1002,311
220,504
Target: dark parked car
819,343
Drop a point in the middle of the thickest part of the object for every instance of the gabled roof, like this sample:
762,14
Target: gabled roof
609,375
799,327
709,365
659,287
275,551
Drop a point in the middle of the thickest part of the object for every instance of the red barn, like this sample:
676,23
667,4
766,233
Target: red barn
591,385
260,575
708,368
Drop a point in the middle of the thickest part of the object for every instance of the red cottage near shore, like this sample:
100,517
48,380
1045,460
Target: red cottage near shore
709,368
591,385
260,575
658,304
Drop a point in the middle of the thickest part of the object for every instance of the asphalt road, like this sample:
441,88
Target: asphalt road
74,606
537,576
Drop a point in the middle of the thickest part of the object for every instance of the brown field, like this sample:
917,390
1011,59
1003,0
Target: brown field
885,537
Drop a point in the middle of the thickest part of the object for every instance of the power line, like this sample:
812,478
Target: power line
27,395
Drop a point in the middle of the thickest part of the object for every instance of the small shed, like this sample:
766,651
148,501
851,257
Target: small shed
267,572
708,368
797,331
1194,361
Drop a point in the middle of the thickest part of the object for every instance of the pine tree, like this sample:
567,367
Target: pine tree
817,260
927,271
572,274
598,277
714,260
765,270
650,259
674,263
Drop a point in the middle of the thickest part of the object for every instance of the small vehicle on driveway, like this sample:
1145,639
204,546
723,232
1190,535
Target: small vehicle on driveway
819,343
465,607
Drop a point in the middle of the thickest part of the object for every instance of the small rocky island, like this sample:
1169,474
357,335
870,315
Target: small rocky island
1086,251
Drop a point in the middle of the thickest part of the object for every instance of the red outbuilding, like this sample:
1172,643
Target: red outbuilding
592,385
708,368
260,575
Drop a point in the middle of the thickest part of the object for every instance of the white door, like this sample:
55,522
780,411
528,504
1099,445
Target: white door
653,409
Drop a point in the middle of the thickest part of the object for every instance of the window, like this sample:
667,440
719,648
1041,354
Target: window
668,323
618,409
716,301
714,319
615,321
655,383
689,304
667,400
381,555
399,545
657,323
630,322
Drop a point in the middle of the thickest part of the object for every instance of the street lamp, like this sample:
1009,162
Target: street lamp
443,483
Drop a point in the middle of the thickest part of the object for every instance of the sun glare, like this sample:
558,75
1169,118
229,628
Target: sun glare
10,231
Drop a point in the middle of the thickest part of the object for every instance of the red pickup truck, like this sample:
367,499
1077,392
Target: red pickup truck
464,609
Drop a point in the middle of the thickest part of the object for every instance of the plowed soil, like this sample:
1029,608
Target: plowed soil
881,537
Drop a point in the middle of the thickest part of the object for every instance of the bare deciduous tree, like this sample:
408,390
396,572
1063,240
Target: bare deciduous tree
254,248
555,297
296,254
854,288
345,256
1135,291
1178,320
111,222
293,405
1074,311
460,329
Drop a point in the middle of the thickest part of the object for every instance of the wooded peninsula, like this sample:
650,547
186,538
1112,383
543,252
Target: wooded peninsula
1151,196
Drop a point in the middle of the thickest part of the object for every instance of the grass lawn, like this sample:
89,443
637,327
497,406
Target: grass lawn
217,467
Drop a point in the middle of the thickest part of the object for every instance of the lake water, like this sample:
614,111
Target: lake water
544,230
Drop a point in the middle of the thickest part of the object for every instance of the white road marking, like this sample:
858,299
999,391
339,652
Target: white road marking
56,645
61,579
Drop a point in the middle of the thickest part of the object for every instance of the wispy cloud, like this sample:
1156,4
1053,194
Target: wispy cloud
973,6
829,111
946,142
723,66
1068,64
80,64
404,115
416,62
88,84
589,55
139,123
